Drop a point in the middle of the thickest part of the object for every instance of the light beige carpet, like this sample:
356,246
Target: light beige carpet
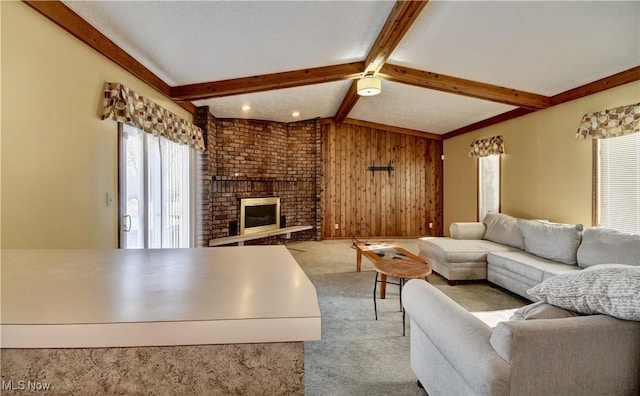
357,354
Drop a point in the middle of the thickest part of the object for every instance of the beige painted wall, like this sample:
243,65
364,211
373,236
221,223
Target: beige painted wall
546,171
59,160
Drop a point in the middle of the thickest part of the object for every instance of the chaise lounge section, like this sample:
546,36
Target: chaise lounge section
518,254
464,255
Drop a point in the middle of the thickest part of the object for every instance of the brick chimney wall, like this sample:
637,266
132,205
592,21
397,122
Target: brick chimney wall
255,158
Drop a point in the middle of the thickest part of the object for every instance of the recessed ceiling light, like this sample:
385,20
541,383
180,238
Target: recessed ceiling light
246,107
295,114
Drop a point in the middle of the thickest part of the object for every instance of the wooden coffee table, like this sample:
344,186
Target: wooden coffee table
377,252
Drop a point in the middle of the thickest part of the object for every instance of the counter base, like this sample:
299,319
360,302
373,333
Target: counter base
226,369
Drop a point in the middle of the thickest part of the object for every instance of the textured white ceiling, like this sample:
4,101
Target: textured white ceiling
187,42
544,47
423,109
320,100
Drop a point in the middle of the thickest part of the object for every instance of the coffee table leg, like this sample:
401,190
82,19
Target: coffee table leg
401,307
375,284
358,260
383,286
400,285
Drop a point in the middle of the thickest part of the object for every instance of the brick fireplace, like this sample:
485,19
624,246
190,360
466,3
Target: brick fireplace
255,158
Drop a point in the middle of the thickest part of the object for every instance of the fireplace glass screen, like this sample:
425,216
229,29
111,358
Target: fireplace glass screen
259,214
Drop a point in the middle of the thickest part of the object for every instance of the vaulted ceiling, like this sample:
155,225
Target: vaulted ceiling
447,66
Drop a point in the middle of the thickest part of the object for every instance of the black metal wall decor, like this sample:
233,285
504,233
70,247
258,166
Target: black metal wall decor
374,168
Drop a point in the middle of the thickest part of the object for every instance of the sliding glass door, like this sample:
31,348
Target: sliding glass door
155,191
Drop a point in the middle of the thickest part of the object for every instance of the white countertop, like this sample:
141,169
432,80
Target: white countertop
110,298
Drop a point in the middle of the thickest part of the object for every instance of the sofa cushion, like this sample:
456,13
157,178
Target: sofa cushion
542,310
556,242
609,291
604,245
527,265
502,228
559,269
458,250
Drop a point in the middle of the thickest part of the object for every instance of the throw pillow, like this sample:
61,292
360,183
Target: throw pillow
502,228
556,242
604,245
542,310
610,291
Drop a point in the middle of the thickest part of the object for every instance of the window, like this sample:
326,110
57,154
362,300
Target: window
618,185
155,191
488,185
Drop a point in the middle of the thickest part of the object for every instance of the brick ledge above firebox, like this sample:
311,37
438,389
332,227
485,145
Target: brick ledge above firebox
256,178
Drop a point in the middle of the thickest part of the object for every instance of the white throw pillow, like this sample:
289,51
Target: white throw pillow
556,242
610,291
502,228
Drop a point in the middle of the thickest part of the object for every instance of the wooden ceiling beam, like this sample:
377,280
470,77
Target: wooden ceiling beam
603,84
402,16
624,77
349,101
267,82
515,113
64,17
400,19
460,86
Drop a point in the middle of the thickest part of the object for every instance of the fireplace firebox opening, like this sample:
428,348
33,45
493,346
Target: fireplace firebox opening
259,214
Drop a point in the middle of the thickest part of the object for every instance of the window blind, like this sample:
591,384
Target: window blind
488,185
619,183
156,191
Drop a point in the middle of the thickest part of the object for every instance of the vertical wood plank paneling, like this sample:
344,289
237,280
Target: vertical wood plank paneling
436,187
356,207
366,204
404,185
393,187
365,133
423,198
380,182
361,138
355,171
344,139
411,188
332,180
412,201
384,213
327,145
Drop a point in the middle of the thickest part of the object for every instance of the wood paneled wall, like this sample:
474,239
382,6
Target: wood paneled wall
378,204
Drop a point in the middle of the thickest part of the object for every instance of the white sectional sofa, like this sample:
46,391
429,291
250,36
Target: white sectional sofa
518,254
580,337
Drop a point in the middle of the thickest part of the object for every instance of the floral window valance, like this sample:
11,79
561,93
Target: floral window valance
124,105
610,123
486,147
